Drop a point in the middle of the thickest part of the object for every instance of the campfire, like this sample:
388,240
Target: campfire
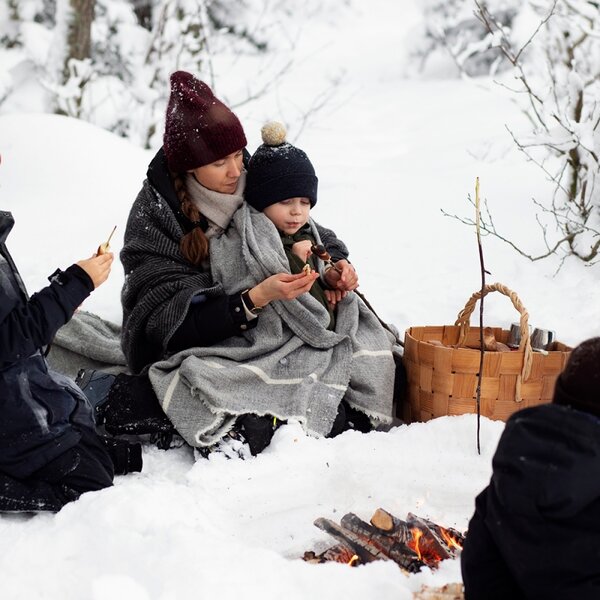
412,544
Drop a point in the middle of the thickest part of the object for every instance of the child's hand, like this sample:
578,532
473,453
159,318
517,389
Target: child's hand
302,249
343,277
334,296
97,267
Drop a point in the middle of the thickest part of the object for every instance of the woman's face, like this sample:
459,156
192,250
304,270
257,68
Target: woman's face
289,215
222,175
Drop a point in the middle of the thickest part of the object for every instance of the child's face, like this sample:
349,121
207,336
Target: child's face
289,215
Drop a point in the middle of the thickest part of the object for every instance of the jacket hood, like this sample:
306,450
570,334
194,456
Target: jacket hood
548,462
6,224
159,177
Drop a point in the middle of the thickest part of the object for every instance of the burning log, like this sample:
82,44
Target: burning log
450,538
365,552
392,547
339,553
411,544
427,542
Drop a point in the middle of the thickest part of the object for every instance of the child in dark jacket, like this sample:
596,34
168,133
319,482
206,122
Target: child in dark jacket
50,452
536,528
282,184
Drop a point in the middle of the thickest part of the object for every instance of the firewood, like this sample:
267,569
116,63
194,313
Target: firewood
454,533
365,552
342,554
383,520
411,544
311,557
391,546
432,541
450,591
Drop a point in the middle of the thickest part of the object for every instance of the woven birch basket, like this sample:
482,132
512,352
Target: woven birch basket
442,379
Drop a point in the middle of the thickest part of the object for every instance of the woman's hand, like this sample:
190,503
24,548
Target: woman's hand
282,286
97,267
334,296
302,249
345,279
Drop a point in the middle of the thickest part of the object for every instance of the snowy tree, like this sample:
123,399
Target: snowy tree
453,26
555,65
114,70
563,105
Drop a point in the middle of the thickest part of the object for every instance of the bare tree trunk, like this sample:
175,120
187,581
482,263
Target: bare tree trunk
143,12
79,32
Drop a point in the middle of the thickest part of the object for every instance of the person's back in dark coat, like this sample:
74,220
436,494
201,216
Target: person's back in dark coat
536,528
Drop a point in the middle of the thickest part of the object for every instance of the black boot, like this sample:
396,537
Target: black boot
96,386
34,496
339,424
257,431
126,456
133,408
349,418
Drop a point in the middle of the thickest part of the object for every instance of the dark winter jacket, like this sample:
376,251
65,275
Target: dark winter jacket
536,528
41,412
169,304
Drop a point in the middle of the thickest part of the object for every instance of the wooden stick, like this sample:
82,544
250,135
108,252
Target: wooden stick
111,234
482,350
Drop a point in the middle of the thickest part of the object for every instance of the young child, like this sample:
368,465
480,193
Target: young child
282,184
50,452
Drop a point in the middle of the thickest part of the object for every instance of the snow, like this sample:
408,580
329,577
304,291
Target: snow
390,153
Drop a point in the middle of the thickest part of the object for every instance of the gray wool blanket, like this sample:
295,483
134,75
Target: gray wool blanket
289,366
87,341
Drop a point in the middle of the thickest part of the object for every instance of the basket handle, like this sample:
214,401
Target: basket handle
525,344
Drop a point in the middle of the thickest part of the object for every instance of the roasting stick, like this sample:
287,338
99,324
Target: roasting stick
104,248
320,252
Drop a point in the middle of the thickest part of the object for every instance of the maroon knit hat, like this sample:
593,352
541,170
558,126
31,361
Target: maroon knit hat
199,128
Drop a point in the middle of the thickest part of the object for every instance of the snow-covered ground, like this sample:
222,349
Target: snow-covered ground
390,153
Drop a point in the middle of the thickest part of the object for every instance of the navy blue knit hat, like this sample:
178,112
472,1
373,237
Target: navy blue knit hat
278,171
199,128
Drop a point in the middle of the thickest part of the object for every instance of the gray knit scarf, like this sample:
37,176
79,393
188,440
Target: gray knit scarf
216,207
289,366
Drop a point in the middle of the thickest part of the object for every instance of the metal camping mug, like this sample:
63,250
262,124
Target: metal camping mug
514,335
541,339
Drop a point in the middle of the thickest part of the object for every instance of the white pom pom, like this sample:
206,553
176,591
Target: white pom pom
273,133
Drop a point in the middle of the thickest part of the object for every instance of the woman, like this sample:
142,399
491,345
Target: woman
194,186
169,299
299,362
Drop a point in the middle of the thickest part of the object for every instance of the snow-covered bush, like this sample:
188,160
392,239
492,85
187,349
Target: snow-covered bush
555,60
121,84
452,27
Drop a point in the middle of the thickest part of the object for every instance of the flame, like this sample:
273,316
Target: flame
353,560
416,536
449,539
